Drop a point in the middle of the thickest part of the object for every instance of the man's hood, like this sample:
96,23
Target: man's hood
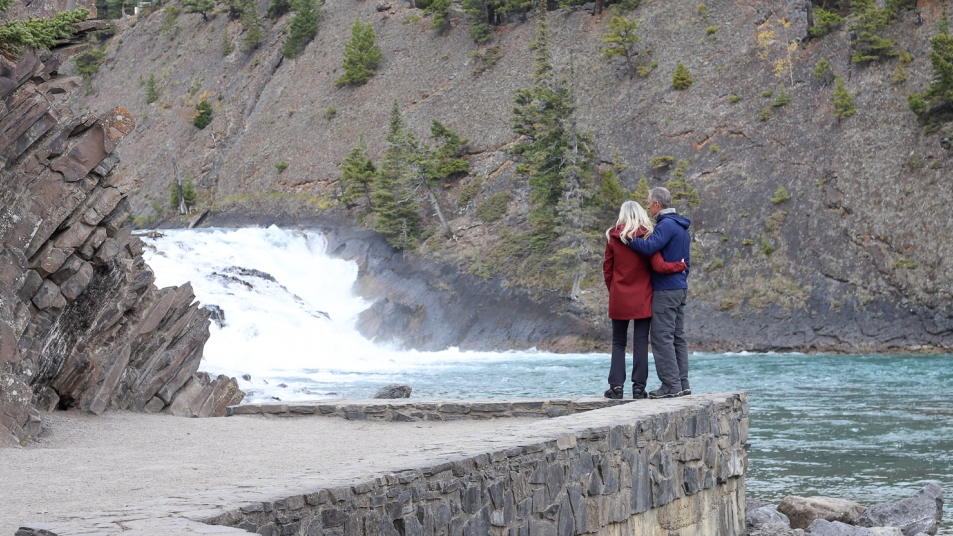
677,218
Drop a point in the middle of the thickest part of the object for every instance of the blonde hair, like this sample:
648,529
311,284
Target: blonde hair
632,217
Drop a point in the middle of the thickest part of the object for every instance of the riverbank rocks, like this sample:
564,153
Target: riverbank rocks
803,511
920,513
81,322
394,390
823,527
765,515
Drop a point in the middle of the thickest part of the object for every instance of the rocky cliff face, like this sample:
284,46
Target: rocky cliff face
856,259
81,323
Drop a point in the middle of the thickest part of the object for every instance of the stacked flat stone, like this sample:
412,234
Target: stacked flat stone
429,410
663,468
81,323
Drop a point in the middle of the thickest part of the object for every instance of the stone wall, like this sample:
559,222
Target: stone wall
655,468
412,410
81,323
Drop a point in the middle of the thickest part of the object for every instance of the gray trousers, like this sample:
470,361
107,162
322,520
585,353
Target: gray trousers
668,338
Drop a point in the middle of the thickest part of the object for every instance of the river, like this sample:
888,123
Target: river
869,428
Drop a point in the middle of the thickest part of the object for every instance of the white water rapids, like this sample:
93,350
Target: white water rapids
290,314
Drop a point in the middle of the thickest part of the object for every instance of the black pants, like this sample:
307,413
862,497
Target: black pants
640,352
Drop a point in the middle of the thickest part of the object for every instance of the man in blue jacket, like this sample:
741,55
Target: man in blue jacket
669,292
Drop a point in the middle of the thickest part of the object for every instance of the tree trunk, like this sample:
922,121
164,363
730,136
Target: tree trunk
367,195
436,206
178,185
576,287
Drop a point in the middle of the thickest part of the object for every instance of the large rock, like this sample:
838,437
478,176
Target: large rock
920,513
802,511
765,515
773,529
81,323
394,390
822,527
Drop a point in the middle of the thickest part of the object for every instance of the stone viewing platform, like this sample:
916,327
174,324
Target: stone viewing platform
650,467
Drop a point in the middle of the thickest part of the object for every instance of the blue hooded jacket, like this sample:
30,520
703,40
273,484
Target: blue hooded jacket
672,239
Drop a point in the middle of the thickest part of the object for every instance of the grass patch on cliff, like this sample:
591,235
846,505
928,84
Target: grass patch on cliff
494,207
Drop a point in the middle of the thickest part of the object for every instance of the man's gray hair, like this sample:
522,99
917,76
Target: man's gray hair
662,196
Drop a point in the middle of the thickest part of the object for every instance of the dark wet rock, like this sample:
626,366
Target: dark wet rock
246,377
250,272
920,513
394,390
231,279
215,314
802,511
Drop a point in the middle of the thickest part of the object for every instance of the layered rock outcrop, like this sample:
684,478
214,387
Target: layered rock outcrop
81,323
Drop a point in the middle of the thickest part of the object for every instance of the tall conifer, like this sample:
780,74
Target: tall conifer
361,56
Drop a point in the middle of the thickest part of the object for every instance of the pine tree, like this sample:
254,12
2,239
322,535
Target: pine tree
251,26
869,45
620,39
203,114
682,192
641,193
682,78
357,175
539,115
303,28
226,45
781,96
611,194
478,10
152,93
204,7
843,100
941,86
278,8
188,193
39,33
436,164
440,10
395,207
361,56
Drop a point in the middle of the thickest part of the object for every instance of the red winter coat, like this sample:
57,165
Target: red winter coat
629,278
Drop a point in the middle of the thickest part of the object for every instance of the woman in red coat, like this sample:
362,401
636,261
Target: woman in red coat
629,279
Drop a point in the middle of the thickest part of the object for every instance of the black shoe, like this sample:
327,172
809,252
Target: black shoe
638,394
684,392
614,392
664,392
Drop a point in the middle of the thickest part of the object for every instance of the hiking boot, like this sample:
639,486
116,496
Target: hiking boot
638,394
614,392
684,392
664,392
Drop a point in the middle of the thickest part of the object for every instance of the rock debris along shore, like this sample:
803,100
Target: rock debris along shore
919,515
81,323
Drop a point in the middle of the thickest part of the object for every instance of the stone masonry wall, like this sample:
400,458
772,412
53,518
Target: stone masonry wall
81,323
655,468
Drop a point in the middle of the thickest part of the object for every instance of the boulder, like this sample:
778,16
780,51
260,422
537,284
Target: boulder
394,390
920,513
887,531
822,527
802,511
773,529
766,515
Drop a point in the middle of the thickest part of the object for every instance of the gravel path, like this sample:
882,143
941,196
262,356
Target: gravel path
89,463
